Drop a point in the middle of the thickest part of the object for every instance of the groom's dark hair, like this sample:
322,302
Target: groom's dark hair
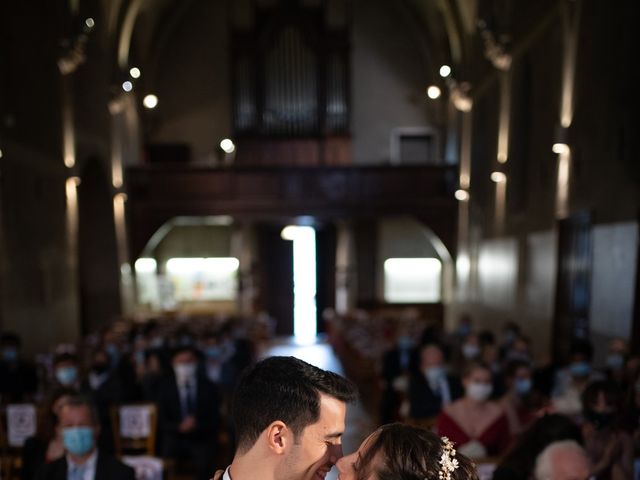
285,389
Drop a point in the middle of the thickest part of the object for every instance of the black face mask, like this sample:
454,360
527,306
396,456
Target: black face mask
100,368
599,420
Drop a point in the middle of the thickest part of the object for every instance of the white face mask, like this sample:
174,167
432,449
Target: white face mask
185,371
479,391
470,350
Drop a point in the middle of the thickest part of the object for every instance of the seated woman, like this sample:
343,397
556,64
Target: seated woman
478,426
398,451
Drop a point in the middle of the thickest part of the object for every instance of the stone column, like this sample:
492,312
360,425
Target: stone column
346,271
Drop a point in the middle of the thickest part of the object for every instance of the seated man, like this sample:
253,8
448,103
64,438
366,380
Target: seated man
397,363
289,418
432,388
79,427
565,460
18,378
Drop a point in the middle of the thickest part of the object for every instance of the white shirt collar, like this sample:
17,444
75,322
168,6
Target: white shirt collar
227,475
89,465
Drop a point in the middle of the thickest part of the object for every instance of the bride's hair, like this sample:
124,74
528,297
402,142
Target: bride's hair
412,453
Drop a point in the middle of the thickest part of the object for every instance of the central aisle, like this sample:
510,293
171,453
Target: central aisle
358,422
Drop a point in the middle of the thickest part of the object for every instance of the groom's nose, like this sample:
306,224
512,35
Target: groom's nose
335,452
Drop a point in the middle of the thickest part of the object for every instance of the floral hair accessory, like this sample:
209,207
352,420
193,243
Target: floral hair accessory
448,463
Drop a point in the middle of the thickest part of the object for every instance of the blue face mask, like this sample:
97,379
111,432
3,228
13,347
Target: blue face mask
509,337
464,330
580,369
113,351
10,354
434,374
405,342
523,386
213,353
78,440
139,357
615,361
67,375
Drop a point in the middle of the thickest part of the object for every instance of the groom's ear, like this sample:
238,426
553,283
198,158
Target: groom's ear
278,437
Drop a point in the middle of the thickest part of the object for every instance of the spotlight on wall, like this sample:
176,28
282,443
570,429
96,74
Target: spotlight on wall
150,101
498,177
445,71
462,195
561,140
134,72
127,86
433,92
227,145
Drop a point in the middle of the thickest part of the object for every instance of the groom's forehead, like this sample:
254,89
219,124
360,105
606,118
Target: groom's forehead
332,416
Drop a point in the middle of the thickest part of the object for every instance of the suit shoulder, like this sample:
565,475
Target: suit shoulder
52,471
125,471
118,469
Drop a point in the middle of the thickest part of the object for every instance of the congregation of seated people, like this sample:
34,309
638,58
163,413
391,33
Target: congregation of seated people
495,402
525,419
186,369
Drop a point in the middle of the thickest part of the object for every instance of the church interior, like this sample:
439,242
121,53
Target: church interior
379,186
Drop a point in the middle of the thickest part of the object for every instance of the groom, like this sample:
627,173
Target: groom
289,419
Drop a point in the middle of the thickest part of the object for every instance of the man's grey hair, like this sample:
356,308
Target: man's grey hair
545,467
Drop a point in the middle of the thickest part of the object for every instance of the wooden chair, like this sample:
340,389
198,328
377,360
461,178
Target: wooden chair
137,440
11,442
134,439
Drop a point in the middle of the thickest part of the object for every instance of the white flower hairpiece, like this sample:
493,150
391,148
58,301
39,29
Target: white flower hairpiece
447,461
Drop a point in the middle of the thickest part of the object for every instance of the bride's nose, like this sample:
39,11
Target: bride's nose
335,453
343,463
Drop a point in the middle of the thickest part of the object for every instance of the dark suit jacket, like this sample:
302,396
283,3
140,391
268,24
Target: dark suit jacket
424,403
207,408
107,468
18,381
392,366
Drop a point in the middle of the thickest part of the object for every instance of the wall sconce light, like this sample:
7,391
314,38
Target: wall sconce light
462,195
227,145
561,140
498,177
433,92
150,101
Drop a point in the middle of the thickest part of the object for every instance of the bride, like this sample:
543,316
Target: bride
398,451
